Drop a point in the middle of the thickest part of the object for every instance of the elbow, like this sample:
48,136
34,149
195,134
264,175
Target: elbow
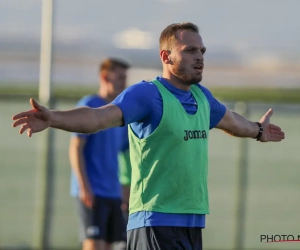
92,130
93,126
98,126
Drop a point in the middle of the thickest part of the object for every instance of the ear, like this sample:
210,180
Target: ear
104,77
165,56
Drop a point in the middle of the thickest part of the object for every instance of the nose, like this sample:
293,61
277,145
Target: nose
199,57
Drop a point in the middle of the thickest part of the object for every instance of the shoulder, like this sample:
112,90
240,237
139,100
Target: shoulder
209,96
143,86
217,109
138,101
139,91
205,90
91,101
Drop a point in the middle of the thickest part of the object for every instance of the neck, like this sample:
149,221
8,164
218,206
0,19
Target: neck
105,95
176,81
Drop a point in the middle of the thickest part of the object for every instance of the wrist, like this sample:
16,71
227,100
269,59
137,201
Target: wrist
260,131
83,184
83,188
52,119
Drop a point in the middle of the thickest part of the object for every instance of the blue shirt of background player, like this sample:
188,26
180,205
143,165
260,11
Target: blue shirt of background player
142,108
101,156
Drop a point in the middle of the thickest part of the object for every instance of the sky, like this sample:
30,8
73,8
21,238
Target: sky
234,31
242,24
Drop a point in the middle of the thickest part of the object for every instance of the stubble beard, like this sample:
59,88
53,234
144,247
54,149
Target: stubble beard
185,77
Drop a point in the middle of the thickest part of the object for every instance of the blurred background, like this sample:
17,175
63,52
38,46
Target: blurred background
252,63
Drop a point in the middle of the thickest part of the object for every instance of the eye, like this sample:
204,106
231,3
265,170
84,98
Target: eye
191,50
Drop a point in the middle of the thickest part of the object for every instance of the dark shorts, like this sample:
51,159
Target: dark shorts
104,221
164,238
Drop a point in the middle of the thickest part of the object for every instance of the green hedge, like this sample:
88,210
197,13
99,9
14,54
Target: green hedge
258,94
276,95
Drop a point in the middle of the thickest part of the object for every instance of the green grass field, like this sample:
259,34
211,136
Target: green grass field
272,200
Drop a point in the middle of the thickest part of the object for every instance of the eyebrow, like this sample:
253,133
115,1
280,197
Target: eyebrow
202,49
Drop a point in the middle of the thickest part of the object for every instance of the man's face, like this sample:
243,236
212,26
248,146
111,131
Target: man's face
187,57
117,80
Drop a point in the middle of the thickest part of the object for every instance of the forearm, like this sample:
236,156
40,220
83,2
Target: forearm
80,120
87,120
78,167
243,127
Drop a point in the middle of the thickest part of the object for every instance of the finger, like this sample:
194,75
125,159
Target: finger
20,121
22,114
88,203
35,105
272,126
276,137
29,132
269,112
276,131
92,200
84,201
23,128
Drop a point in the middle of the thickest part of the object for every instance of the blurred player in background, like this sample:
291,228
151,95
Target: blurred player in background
94,161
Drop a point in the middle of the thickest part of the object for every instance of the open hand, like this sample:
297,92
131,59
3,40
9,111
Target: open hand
35,120
271,131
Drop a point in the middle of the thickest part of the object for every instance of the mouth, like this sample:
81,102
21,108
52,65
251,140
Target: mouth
199,67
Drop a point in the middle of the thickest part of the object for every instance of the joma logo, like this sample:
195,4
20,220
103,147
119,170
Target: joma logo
194,134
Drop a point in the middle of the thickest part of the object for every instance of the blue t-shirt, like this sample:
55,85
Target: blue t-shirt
101,156
142,108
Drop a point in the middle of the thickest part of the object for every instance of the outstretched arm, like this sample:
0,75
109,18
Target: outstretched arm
239,126
81,120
